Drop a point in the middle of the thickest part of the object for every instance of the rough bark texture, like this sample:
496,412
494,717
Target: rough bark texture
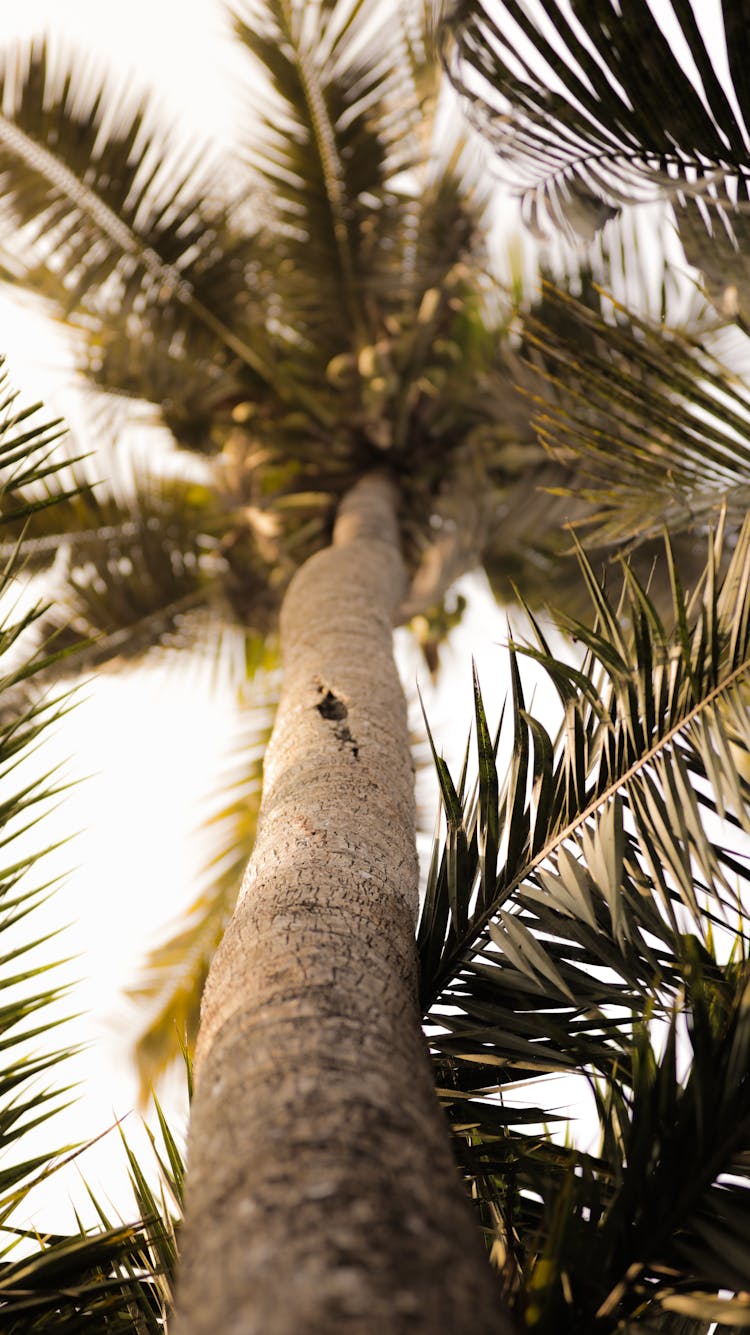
322,1194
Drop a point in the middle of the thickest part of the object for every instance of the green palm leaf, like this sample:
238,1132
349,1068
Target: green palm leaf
619,843
115,224
569,99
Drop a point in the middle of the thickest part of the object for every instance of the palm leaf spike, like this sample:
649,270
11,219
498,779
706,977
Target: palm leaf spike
488,824
457,844
515,822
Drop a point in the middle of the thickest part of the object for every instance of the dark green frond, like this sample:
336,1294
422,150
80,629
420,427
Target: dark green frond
593,107
111,222
603,895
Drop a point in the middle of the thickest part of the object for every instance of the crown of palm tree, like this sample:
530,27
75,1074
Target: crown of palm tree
322,317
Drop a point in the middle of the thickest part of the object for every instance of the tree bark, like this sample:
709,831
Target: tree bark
322,1193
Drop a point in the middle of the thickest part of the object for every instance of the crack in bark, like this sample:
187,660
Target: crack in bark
334,709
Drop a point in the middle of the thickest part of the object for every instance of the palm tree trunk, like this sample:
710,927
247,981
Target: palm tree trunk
322,1194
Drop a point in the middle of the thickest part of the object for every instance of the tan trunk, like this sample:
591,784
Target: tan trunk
322,1195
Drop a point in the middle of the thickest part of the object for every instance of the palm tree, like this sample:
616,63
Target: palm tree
338,361
332,353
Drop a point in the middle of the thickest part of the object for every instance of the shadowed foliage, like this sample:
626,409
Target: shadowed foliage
594,107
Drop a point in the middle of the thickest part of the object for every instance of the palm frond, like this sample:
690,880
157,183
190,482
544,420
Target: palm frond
596,892
653,686
125,585
592,108
653,427
117,1276
30,462
110,221
338,130
161,563
626,1239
